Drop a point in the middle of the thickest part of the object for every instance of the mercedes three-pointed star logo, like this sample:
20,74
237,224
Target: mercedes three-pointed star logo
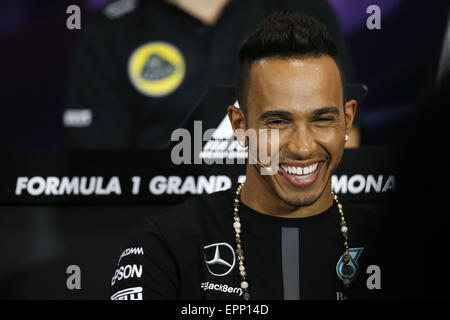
218,260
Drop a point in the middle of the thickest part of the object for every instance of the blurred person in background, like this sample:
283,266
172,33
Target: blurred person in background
140,67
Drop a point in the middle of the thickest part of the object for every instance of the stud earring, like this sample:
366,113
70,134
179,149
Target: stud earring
346,137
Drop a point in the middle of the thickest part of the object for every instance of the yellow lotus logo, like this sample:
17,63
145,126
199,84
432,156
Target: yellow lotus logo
156,69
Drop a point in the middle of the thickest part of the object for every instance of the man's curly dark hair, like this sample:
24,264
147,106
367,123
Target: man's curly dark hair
284,35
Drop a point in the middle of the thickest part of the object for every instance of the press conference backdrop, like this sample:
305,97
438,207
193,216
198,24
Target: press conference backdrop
78,208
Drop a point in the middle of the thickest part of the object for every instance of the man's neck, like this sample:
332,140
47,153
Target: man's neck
207,11
258,195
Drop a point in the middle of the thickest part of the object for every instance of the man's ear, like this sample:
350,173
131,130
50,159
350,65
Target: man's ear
238,122
350,112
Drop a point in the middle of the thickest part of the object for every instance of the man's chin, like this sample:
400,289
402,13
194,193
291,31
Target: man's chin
299,199
295,201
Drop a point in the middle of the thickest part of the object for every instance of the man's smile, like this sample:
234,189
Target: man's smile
301,174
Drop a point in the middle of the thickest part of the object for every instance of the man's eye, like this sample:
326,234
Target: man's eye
324,119
276,122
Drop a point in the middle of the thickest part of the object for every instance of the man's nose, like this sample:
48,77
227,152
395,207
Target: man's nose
302,142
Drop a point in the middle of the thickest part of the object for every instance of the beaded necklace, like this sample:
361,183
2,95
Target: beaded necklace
240,251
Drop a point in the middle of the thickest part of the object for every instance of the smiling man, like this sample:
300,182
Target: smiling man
281,235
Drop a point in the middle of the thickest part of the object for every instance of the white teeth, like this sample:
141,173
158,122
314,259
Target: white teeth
301,171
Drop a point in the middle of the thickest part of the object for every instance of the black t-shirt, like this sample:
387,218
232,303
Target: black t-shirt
189,253
140,67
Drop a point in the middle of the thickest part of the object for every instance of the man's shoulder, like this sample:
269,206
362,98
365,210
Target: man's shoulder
364,211
365,219
192,214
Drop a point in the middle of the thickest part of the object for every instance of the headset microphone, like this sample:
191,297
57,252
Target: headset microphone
265,170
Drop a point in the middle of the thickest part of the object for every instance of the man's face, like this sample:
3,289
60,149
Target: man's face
303,99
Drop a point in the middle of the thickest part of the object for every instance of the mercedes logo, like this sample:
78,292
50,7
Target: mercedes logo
222,262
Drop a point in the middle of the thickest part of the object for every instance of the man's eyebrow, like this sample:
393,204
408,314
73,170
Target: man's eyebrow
325,110
287,114
275,113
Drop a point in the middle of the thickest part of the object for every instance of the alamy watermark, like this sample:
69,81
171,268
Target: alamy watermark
74,279
73,21
374,20
262,147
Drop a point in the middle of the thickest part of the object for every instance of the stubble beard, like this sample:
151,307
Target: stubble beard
297,200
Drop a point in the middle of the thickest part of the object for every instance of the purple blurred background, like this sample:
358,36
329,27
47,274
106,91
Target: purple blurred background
398,64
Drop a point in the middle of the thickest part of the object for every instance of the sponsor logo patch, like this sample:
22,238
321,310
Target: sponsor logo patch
131,251
220,258
156,69
354,254
221,288
77,118
119,8
125,272
128,294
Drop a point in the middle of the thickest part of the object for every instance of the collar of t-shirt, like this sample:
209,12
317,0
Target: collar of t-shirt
258,218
